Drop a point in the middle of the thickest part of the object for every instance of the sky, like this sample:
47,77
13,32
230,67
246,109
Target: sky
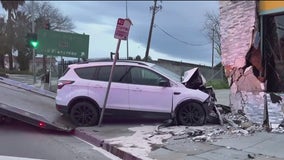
177,34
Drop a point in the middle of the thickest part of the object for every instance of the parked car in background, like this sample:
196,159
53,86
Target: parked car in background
138,89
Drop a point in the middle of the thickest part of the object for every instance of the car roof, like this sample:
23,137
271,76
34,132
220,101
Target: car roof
110,62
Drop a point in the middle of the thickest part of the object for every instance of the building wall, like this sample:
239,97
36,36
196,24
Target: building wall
238,19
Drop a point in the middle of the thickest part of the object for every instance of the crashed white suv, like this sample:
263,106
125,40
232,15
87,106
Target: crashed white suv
138,89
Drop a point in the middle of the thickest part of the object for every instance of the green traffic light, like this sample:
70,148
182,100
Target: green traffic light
34,44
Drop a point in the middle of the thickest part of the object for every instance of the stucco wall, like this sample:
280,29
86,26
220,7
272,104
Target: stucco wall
237,21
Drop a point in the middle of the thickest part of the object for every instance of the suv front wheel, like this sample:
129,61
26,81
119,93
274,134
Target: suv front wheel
84,114
191,114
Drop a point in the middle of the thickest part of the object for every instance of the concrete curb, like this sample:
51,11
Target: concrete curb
99,142
89,137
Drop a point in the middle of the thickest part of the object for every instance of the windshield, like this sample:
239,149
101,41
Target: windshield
168,73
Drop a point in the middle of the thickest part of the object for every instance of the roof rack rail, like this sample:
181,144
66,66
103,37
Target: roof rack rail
95,60
110,60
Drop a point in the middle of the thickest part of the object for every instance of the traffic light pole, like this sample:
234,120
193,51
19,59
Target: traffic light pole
33,31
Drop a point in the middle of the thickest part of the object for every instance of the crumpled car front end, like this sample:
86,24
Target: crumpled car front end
193,79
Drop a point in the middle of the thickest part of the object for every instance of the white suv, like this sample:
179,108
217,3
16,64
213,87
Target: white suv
137,87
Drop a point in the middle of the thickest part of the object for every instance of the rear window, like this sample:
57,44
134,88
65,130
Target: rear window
86,73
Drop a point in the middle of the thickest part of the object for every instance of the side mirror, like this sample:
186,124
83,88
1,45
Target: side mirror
164,83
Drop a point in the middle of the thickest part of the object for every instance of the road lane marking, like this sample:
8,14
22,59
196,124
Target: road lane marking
16,158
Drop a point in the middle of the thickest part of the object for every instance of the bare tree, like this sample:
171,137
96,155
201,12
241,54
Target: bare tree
48,17
45,13
211,30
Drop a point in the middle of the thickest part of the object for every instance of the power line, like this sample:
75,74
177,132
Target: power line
181,41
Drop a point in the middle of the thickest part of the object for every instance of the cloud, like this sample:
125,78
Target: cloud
178,26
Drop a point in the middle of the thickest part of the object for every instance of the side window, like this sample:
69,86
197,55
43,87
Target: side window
145,76
103,73
86,73
119,74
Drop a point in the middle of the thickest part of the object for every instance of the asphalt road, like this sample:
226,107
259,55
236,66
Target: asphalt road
25,141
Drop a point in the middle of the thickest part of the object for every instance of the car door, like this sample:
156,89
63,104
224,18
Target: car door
118,94
145,94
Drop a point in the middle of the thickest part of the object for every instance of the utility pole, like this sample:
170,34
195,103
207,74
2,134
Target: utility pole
213,45
155,9
127,50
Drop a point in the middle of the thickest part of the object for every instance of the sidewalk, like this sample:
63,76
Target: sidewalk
136,141
259,146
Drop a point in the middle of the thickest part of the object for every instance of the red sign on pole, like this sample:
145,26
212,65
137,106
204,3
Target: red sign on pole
122,28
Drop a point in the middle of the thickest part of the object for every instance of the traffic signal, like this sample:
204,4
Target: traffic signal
47,26
32,40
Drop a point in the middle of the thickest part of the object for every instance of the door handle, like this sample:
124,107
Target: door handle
98,86
176,93
137,89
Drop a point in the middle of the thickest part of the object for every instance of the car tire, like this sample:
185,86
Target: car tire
191,114
2,119
84,114
5,119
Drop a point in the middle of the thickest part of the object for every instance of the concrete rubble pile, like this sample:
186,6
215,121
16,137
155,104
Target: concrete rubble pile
235,125
278,129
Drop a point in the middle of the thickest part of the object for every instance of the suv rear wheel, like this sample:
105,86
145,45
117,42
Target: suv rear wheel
84,114
191,114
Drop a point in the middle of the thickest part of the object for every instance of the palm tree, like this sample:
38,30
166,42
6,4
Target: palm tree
22,26
3,40
11,6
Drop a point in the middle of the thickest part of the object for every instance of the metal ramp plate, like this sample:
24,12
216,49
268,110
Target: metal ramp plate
31,107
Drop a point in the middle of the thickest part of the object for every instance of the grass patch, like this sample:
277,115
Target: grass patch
19,72
218,84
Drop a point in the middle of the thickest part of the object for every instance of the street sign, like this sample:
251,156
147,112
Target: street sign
122,28
64,44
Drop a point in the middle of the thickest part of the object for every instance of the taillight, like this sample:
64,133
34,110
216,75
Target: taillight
41,124
63,83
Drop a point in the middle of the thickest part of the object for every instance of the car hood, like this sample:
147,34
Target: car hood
193,78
